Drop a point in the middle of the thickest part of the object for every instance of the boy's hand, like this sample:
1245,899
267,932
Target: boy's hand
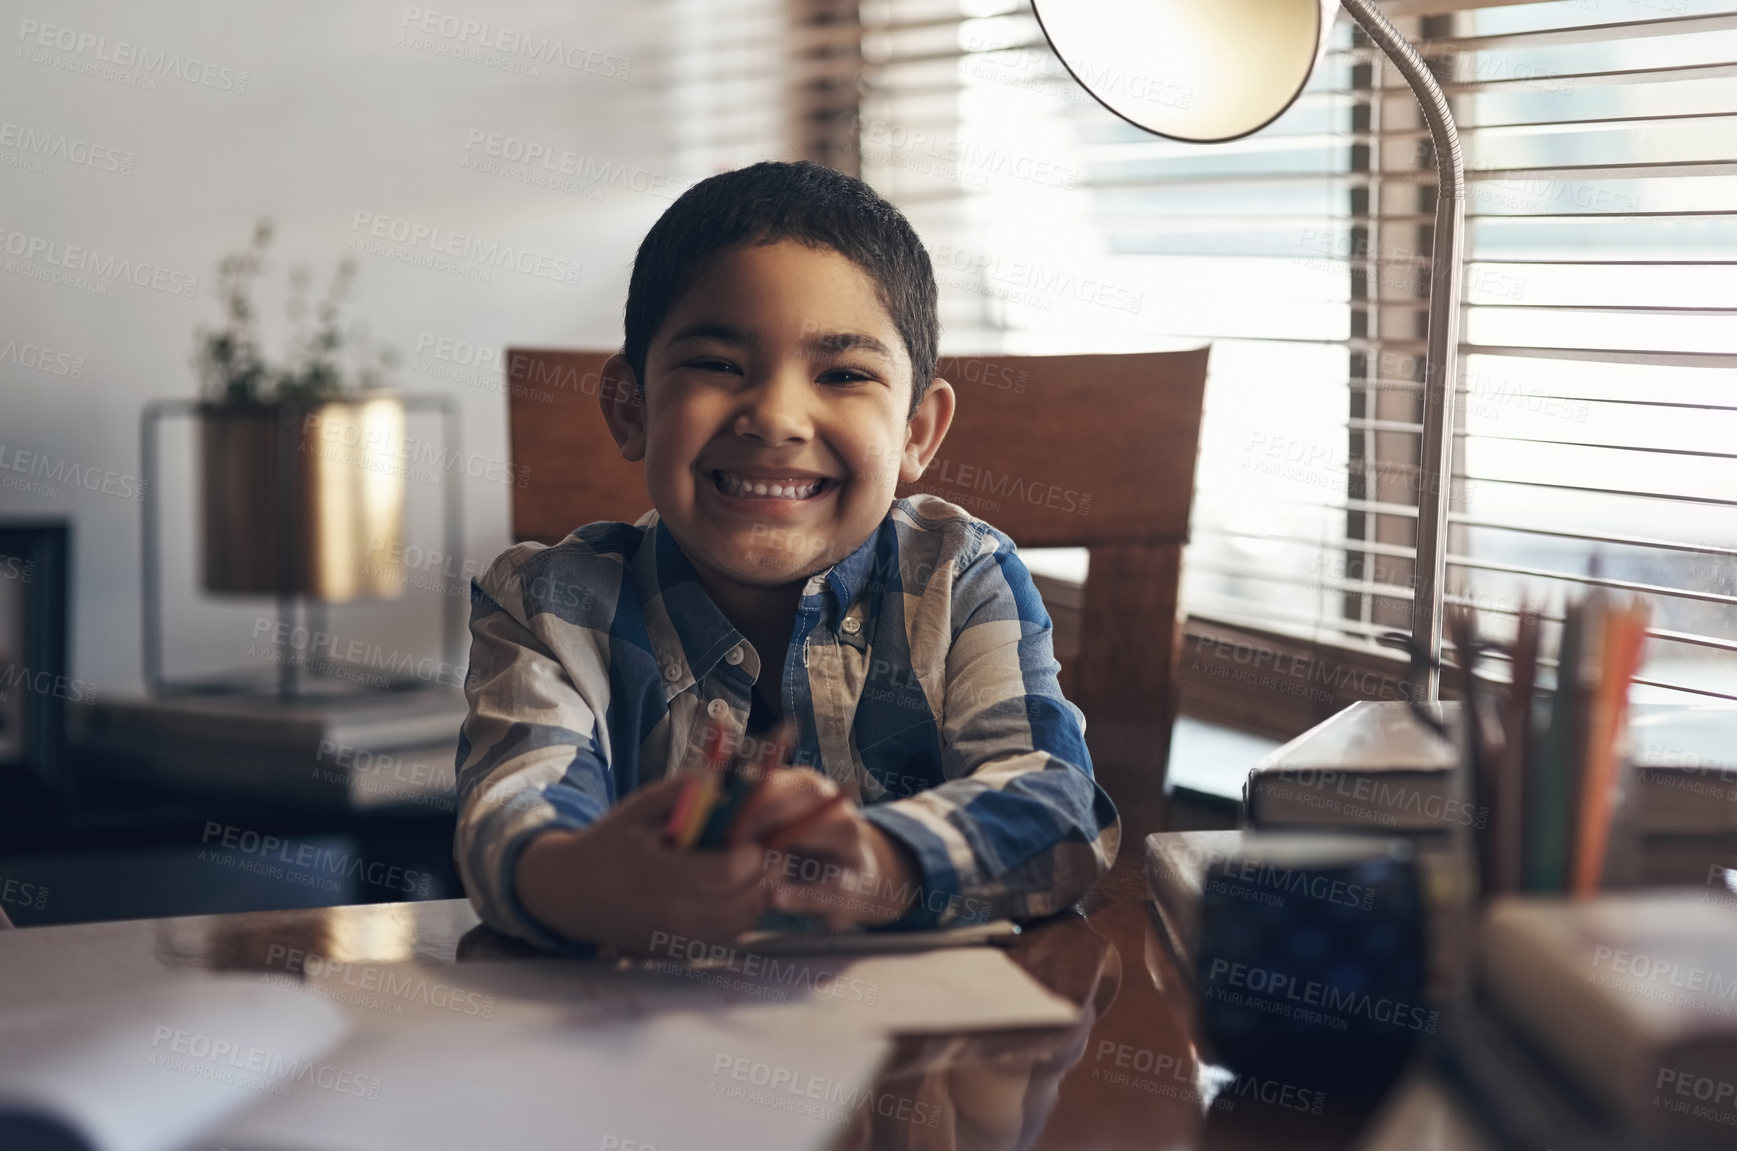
618,882
843,870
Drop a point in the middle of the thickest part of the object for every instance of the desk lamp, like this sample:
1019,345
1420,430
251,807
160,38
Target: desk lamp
1243,62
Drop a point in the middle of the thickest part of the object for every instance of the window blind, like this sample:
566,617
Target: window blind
1597,428
1596,424
729,70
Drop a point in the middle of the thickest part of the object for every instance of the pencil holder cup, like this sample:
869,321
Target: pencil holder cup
1312,966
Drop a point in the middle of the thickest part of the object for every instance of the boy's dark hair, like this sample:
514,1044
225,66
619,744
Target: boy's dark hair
776,200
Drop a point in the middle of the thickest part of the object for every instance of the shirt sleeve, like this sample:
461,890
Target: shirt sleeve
1020,829
528,755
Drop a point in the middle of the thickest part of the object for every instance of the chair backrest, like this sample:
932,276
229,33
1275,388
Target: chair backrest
568,469
1093,451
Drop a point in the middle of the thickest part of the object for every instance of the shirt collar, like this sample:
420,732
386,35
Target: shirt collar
849,577
702,629
704,633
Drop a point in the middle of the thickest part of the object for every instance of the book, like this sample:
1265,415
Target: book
1683,860
1685,763
354,753
1632,996
1375,766
203,1063
1424,1105
1176,867
342,778
302,728
1496,1086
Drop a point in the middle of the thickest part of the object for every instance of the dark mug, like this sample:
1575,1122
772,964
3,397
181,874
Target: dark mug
1312,967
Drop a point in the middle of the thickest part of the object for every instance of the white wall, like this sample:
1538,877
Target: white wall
339,115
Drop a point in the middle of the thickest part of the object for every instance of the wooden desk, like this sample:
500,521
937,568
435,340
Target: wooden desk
994,1090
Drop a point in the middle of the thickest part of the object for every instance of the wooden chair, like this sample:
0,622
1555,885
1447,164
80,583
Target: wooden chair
1093,451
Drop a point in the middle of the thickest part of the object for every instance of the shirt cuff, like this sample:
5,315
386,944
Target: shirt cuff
510,916
936,902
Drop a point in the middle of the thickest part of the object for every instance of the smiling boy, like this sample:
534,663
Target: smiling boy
777,380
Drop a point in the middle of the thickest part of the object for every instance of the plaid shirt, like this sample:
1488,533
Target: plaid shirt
920,676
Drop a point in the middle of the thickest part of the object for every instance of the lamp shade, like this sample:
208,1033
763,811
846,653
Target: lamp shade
1201,71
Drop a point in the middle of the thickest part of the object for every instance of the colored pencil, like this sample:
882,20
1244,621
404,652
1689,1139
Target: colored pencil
1547,808
694,803
1507,819
773,752
1625,633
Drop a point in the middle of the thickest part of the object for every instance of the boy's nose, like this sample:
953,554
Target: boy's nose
776,410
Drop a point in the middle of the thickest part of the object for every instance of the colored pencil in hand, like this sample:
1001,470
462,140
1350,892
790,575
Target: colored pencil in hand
772,754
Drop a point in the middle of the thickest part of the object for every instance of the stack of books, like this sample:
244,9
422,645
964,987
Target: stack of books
1607,1022
1375,768
364,751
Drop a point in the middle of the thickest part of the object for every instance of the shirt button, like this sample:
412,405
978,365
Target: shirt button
852,625
717,709
672,672
734,656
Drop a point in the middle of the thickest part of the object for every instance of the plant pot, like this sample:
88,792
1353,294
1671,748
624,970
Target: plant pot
303,500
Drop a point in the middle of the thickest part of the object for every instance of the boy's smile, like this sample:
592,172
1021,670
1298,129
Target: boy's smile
774,423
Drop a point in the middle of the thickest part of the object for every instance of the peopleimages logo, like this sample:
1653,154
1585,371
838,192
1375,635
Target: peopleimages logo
52,470
792,1089
305,643
793,973
1282,994
320,859
44,144
41,359
32,895
466,34
407,986
1669,972
585,169
122,54
102,266
14,675
1038,281
442,242
257,1068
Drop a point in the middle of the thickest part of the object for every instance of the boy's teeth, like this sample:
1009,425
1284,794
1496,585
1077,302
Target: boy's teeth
787,490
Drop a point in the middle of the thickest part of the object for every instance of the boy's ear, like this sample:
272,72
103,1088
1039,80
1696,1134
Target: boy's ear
928,427
623,406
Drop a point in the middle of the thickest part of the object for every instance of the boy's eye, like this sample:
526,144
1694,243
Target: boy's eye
710,364
845,376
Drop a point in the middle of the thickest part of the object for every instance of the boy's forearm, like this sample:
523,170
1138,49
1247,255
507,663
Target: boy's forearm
543,882
1053,870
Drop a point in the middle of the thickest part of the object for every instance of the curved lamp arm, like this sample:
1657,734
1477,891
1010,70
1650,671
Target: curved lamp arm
1441,354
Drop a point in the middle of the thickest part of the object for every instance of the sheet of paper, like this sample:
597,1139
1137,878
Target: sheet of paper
679,1081
153,1068
877,942
954,989
946,990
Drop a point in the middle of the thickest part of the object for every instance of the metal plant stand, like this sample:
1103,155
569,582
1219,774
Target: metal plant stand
290,677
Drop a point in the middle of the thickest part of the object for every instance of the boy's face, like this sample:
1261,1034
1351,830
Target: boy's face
773,426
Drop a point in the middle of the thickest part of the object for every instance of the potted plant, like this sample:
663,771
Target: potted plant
301,463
